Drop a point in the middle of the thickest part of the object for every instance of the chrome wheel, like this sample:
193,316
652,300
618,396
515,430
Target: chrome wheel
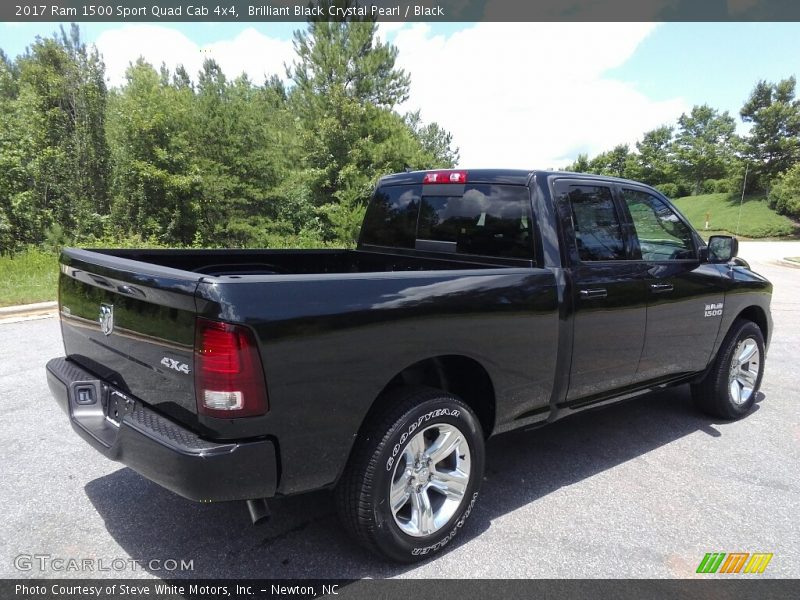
430,480
745,368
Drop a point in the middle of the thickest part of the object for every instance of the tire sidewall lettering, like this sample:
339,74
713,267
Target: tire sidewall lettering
419,548
448,538
413,426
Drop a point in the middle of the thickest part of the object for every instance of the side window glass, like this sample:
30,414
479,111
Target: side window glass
598,235
662,235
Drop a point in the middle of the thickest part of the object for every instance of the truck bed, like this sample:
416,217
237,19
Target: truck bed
228,262
316,315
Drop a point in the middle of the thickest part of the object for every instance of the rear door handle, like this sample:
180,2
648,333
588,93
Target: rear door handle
661,287
595,293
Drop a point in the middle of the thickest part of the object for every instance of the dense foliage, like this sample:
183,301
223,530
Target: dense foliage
171,159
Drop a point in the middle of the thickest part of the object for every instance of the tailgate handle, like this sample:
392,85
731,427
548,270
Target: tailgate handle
595,293
131,291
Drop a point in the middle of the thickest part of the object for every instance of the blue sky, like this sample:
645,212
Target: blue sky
713,63
548,90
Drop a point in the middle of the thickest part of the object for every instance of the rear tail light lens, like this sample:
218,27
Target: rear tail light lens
445,177
229,377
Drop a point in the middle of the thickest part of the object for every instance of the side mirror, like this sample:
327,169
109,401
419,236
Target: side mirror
722,248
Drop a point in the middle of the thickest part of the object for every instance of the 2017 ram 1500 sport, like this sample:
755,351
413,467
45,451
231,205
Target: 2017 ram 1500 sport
476,302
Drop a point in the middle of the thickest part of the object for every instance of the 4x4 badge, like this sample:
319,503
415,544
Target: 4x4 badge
107,318
175,365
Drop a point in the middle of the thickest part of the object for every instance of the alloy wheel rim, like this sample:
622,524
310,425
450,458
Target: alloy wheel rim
430,480
744,371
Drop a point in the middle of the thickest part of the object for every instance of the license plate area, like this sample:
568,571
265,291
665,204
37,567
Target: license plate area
117,407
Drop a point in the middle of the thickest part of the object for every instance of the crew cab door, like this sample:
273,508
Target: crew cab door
609,290
685,297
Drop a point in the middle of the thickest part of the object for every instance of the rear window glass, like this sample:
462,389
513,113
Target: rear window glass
391,218
488,220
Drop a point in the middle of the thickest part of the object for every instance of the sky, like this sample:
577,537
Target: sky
516,95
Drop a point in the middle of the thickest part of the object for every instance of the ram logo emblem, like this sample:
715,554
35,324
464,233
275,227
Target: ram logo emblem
106,318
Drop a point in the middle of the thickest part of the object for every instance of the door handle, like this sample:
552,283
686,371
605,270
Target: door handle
661,287
595,293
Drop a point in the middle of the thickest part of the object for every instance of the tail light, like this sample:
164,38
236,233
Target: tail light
445,177
228,375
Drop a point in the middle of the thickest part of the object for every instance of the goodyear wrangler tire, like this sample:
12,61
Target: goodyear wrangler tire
731,385
414,475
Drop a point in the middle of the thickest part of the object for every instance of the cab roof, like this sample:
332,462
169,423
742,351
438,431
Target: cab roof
506,176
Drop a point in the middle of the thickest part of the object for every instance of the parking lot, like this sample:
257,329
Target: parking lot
640,489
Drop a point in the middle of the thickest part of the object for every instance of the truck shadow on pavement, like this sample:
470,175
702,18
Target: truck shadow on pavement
304,539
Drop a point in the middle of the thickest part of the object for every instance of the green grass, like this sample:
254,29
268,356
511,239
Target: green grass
758,220
31,276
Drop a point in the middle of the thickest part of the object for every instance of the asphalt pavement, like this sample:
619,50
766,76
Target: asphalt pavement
639,489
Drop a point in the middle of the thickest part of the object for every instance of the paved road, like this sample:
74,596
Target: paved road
641,489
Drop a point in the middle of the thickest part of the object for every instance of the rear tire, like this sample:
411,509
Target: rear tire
729,389
414,476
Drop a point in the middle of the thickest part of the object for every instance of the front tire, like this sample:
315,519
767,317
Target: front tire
729,389
413,476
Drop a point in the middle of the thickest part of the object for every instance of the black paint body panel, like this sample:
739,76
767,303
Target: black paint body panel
162,450
335,327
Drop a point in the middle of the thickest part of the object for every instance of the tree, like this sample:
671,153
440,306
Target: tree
581,164
773,144
172,159
156,188
654,160
346,87
12,172
705,145
248,145
785,193
436,144
616,163
619,160
54,103
86,106
345,57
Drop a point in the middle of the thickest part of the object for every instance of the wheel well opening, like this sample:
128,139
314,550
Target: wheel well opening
459,375
756,315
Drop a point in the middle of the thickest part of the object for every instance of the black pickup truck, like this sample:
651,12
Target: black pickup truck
475,302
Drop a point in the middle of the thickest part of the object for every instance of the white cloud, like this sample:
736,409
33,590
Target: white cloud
250,52
387,29
530,95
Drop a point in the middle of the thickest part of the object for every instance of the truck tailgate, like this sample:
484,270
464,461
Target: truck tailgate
132,324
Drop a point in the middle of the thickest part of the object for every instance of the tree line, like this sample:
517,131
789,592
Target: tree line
702,152
166,159
210,160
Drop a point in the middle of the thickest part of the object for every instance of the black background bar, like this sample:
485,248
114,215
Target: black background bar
712,586
396,10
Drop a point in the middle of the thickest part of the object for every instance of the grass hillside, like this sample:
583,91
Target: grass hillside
758,220
28,277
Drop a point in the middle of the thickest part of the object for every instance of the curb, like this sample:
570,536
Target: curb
788,263
23,311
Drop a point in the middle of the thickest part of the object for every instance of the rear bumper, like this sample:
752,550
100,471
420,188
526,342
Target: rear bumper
158,448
